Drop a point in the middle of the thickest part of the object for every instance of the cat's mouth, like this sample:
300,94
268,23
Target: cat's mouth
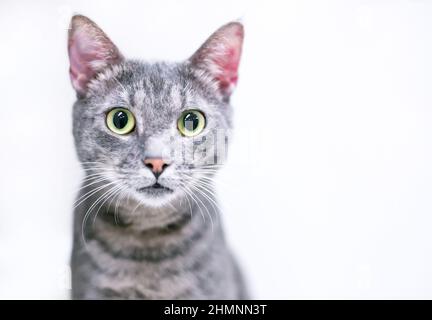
156,189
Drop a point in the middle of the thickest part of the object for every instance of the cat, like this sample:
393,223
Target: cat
146,220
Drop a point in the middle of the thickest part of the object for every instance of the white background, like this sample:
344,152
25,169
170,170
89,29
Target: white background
327,193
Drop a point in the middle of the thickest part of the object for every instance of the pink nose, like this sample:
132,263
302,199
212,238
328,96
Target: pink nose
157,165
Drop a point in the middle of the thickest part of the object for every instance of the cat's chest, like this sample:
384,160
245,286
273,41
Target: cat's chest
178,277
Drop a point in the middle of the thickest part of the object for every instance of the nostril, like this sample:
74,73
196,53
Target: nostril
149,165
164,166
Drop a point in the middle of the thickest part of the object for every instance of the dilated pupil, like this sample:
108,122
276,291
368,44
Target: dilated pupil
191,121
120,119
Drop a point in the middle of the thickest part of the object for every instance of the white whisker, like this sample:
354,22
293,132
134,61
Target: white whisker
90,209
212,202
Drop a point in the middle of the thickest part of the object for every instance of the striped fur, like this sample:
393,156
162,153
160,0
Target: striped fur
130,245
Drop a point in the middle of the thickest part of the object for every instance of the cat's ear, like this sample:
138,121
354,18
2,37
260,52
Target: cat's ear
90,51
219,56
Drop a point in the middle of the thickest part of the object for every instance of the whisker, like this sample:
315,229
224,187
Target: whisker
90,209
136,207
117,205
212,202
229,187
99,179
111,195
210,193
189,192
90,193
207,211
98,169
187,199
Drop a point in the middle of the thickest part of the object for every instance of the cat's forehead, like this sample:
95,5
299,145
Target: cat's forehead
151,87
158,88
156,83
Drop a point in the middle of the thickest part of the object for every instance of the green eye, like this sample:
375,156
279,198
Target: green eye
191,123
120,121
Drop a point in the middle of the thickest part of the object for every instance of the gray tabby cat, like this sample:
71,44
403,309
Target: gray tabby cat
146,222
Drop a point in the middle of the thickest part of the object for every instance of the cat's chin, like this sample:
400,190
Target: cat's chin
155,198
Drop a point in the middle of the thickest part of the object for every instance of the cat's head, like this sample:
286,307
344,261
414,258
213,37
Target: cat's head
153,131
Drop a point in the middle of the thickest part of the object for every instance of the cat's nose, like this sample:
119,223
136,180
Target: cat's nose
156,165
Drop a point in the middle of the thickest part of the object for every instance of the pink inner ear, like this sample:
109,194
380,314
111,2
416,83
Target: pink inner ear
90,50
220,56
226,56
228,66
81,55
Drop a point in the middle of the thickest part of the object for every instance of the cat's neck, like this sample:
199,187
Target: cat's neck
145,233
180,211
128,217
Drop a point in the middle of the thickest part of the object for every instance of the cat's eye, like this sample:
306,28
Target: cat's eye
120,121
191,123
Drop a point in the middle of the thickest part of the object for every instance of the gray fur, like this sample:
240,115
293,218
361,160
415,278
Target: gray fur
133,245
